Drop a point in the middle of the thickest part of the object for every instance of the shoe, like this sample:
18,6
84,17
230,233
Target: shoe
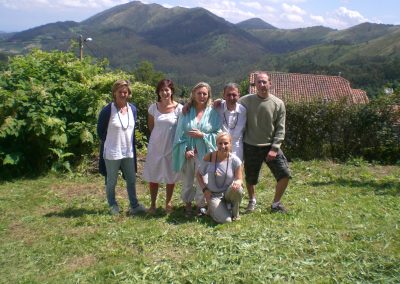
114,210
188,210
251,206
278,209
137,210
201,212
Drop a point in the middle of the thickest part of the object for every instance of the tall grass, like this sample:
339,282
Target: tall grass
343,226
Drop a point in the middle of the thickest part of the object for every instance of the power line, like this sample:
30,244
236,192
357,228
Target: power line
45,41
91,50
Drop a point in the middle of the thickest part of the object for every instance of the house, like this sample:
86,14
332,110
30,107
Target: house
296,88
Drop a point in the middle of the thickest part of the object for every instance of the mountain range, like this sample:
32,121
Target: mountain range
193,44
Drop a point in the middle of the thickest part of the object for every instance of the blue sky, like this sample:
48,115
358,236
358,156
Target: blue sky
18,15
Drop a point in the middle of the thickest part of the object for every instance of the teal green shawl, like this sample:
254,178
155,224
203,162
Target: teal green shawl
209,124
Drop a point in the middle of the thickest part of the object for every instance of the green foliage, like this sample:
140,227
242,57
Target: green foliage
244,87
142,96
3,61
340,131
145,73
49,104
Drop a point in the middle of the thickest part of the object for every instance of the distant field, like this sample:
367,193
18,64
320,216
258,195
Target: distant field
343,226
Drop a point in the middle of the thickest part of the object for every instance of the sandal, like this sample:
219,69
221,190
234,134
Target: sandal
152,210
168,208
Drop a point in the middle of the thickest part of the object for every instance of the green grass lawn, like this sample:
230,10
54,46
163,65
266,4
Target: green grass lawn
343,226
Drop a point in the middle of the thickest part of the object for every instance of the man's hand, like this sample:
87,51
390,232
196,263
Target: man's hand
186,108
217,103
272,154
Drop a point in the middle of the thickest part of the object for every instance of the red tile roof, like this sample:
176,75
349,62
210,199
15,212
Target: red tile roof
295,87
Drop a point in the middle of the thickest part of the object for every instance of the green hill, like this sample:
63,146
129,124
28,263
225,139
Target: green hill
190,45
254,24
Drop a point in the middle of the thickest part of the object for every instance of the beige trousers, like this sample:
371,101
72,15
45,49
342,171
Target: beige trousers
218,206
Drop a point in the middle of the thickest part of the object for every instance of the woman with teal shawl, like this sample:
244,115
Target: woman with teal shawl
194,137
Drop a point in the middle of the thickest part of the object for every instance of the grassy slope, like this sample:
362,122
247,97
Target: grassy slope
343,226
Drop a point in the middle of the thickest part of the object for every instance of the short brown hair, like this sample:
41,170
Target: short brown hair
119,84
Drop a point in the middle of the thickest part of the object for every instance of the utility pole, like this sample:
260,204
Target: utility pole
80,47
81,41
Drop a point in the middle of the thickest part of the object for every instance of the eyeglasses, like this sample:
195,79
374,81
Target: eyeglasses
262,81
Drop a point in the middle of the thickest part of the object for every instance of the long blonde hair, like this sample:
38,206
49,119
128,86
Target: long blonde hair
192,101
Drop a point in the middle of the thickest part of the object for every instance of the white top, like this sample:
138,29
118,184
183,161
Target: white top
220,174
120,131
158,166
234,122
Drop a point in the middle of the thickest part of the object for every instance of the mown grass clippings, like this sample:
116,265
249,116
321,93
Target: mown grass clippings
342,226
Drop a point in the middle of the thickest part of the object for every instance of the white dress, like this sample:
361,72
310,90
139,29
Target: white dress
158,165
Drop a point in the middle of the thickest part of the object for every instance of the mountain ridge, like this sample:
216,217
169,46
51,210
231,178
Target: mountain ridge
193,44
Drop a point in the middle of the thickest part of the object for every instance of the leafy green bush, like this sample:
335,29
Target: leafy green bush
49,104
340,131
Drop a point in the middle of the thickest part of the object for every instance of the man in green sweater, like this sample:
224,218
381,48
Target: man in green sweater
264,134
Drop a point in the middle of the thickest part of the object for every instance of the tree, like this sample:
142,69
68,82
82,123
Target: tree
145,73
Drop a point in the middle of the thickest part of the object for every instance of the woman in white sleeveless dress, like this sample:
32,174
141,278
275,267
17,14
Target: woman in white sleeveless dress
162,121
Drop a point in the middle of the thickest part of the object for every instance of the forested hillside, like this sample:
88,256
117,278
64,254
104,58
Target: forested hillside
190,45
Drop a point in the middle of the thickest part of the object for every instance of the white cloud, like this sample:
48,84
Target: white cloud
293,9
32,4
227,10
253,5
293,18
343,12
343,18
317,19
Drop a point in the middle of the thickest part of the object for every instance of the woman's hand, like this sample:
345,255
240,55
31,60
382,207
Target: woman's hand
236,184
207,196
195,133
189,154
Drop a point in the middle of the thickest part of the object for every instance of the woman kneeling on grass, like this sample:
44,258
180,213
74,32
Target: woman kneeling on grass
224,190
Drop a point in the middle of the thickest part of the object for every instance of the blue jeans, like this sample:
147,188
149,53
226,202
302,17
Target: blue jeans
127,166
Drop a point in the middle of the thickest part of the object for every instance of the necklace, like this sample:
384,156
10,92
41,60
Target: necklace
215,170
235,119
123,128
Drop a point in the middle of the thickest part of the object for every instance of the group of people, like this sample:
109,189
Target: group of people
204,144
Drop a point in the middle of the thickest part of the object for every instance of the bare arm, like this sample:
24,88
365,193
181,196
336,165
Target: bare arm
200,180
238,181
150,122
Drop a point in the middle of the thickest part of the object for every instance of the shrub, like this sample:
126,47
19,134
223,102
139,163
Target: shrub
340,131
49,104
